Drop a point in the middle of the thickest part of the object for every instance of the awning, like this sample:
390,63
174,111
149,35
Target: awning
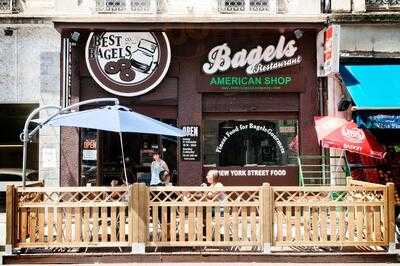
375,91
373,87
377,121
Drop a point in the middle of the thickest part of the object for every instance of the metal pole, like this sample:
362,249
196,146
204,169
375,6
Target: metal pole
321,86
323,167
123,157
70,107
25,136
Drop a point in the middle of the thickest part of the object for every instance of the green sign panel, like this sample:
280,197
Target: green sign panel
249,82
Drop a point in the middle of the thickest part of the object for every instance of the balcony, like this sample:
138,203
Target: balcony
241,6
362,6
6,6
382,5
126,6
168,10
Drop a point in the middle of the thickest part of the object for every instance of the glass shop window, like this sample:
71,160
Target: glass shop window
250,142
89,143
12,119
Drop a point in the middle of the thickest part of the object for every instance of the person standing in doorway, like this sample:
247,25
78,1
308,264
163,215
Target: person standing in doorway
157,166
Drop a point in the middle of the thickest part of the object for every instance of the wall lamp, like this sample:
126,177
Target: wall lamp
74,37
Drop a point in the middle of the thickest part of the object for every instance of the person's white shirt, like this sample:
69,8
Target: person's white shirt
156,167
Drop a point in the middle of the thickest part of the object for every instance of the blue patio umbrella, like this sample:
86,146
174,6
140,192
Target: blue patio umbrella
115,118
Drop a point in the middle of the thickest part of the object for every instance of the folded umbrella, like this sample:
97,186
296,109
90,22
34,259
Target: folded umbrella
338,133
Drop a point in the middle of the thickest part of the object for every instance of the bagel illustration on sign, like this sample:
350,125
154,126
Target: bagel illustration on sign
128,63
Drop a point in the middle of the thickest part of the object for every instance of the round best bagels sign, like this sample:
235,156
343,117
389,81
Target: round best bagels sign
128,63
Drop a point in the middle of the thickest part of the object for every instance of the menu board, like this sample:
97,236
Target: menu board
190,144
89,143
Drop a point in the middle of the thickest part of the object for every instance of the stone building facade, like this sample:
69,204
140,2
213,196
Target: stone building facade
30,76
369,32
30,56
31,47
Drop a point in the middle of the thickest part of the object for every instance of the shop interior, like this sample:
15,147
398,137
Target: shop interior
101,157
12,118
242,142
380,171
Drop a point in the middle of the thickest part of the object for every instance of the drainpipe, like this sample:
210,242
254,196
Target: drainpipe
322,86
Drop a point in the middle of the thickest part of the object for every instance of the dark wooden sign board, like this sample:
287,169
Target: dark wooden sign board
190,144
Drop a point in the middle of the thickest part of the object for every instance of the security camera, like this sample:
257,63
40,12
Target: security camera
8,31
298,33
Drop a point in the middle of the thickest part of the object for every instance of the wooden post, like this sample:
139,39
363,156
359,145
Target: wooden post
348,180
133,211
391,224
11,221
139,216
143,214
266,205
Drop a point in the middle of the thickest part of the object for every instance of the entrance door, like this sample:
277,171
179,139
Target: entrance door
169,151
101,156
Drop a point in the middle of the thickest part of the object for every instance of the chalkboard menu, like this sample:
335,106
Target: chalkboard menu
190,144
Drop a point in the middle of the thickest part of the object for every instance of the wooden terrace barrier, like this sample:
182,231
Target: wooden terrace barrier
45,217
330,216
359,214
198,216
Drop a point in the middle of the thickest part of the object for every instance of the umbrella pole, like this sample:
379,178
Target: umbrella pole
123,158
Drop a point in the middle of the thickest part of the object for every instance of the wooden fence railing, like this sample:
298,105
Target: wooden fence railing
197,216
330,216
68,217
359,214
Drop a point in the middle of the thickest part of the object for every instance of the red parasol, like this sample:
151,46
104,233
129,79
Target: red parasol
338,133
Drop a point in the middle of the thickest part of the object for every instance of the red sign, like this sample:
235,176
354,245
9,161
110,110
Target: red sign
328,59
328,37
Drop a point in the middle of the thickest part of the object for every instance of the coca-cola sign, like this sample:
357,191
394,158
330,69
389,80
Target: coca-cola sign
353,135
128,63
257,60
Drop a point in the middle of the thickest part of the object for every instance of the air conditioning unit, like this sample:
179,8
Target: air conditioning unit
244,6
126,6
6,6
232,5
260,5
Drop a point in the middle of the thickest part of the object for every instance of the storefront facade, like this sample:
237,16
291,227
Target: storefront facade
246,94
367,92
29,78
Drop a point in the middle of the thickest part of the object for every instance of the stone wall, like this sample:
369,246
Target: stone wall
31,74
373,41
188,8
377,38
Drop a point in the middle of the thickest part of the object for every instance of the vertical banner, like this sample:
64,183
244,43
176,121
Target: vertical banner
328,51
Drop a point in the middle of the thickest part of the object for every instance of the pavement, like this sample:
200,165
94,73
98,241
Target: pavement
222,264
